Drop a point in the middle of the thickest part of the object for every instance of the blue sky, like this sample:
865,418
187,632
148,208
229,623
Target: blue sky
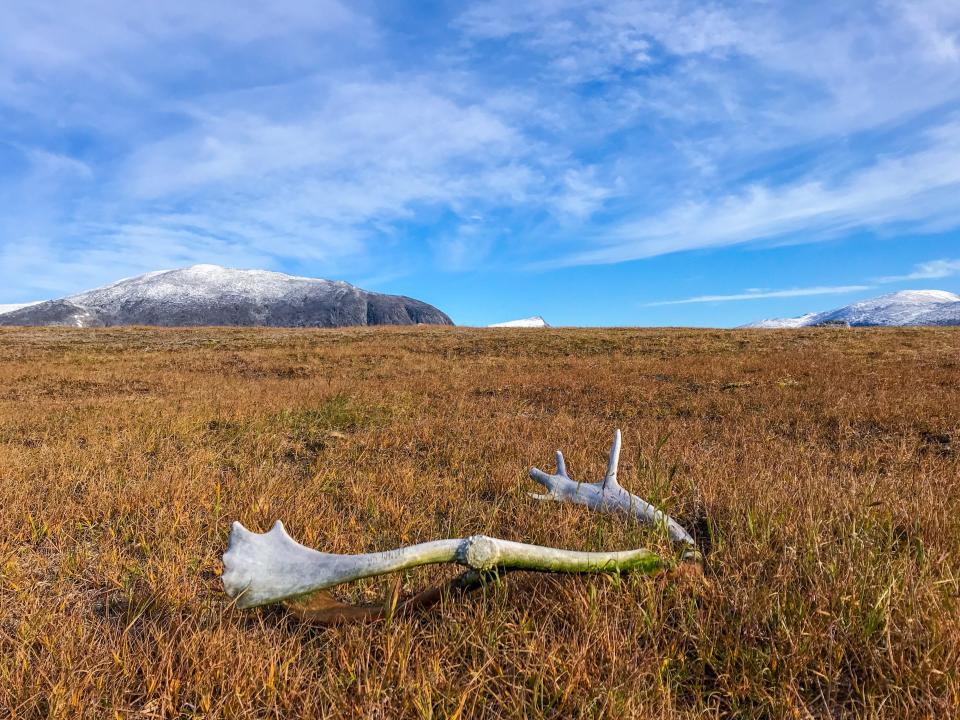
599,163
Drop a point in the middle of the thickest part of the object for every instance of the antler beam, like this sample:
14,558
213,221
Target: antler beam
265,568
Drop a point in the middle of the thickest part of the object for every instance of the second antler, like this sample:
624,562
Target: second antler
606,495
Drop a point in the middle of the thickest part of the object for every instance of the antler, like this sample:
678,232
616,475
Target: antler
265,568
271,567
605,495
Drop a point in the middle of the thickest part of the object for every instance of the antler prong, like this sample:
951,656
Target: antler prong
613,461
561,465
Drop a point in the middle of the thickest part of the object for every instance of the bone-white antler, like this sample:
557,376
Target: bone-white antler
606,495
271,567
265,568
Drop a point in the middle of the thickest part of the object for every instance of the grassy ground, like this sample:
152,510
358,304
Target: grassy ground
819,467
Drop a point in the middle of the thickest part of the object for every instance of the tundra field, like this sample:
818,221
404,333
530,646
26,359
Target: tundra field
818,468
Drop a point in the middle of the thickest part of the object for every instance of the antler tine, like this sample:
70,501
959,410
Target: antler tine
548,480
561,465
613,461
544,479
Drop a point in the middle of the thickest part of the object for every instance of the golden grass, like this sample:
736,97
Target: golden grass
820,467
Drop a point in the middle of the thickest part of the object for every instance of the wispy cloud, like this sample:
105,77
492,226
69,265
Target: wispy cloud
763,294
331,137
332,182
915,188
930,270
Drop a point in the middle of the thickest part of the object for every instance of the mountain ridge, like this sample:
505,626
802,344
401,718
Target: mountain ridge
214,295
905,307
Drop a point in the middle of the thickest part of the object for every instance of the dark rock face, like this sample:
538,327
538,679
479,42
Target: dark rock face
211,295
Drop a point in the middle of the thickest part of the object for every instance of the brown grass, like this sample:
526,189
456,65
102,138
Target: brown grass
820,468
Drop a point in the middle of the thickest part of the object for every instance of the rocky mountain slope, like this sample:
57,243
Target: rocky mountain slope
214,295
907,307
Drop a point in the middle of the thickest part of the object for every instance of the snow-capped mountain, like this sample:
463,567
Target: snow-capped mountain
774,323
214,295
907,307
531,322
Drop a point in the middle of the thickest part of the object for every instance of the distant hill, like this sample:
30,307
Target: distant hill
907,307
531,322
214,295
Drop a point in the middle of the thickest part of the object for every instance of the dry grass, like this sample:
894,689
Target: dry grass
820,466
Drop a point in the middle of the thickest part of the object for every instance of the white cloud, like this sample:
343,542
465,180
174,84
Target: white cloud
593,39
463,251
329,183
937,22
762,295
77,34
728,86
918,187
396,137
52,166
599,130
39,267
581,193
930,270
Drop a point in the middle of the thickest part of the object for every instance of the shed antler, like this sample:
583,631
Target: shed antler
606,495
265,568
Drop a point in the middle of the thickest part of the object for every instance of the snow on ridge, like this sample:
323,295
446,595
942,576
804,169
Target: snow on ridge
947,313
923,296
531,322
899,308
906,307
200,282
778,323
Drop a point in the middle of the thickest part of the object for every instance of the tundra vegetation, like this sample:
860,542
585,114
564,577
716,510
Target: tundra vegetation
818,470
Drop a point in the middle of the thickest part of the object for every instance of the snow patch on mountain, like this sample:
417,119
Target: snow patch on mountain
531,322
777,323
907,307
944,314
205,282
214,295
